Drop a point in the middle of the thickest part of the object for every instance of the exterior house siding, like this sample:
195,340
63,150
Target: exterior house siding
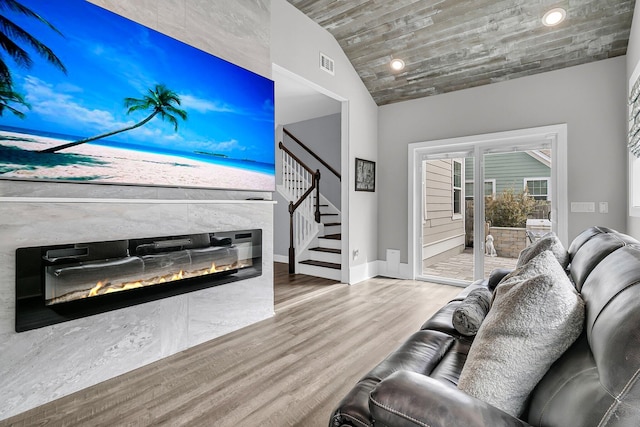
509,170
442,231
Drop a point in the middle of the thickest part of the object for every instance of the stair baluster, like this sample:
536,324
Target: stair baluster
304,214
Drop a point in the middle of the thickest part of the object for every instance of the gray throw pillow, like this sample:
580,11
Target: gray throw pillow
530,325
548,242
468,316
537,265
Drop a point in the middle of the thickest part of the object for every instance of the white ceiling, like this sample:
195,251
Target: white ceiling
297,100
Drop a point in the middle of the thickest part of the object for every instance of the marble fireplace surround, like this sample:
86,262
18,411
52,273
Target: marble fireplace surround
59,283
84,352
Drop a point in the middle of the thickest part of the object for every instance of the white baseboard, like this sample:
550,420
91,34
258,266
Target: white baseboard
361,272
281,258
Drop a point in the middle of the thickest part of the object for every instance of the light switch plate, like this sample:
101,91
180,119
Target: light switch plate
588,207
604,207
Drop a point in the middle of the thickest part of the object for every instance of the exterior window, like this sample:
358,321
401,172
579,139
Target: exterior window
468,190
489,189
457,187
537,188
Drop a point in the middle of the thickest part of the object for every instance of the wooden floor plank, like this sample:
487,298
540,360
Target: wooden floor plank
290,288
290,370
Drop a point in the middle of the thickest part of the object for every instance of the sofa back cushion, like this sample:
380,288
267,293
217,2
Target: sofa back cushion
597,381
584,237
593,251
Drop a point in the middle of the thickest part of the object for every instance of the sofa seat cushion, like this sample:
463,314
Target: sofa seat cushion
442,320
530,324
449,369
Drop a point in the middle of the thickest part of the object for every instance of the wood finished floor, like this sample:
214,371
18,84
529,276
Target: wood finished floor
292,289
290,370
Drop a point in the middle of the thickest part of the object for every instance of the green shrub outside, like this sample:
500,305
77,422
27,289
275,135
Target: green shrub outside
509,209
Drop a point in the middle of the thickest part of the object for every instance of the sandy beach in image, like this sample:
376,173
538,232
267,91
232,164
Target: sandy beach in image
116,165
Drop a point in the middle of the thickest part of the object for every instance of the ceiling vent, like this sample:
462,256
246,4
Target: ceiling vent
327,64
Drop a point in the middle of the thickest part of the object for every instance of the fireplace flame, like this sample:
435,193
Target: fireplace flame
106,287
94,291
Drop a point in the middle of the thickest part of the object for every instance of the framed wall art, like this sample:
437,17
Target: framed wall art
365,175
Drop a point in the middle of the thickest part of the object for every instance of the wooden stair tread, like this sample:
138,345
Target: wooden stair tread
329,224
328,214
337,236
322,264
327,250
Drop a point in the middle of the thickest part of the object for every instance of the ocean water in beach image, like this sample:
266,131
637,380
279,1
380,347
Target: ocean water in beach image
125,104
21,157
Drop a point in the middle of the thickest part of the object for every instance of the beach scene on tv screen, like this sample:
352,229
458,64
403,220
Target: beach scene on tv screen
89,96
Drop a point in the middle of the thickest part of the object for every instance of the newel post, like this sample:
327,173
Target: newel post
292,250
316,177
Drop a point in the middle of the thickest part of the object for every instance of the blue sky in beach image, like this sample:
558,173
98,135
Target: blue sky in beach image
109,58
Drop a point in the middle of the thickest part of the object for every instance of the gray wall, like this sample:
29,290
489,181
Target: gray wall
322,136
589,98
83,352
633,57
296,45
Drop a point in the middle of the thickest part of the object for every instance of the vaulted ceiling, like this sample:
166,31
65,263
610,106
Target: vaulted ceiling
449,45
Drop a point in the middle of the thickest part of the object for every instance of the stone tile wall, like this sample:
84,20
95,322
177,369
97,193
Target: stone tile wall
509,241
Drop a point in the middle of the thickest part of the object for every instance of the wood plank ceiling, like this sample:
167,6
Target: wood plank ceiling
449,45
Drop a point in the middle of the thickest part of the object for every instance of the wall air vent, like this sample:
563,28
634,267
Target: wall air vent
327,64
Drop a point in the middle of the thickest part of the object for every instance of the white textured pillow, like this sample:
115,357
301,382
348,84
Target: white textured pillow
549,242
530,324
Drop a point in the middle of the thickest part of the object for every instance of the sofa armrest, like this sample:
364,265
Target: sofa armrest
406,399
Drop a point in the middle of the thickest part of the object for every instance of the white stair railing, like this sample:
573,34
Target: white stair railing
299,182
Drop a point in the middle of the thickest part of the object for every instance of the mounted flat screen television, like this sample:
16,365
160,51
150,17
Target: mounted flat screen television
93,97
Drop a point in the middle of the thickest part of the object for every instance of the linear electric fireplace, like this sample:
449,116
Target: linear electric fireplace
63,282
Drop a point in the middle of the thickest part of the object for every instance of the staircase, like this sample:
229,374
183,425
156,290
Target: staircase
315,223
323,257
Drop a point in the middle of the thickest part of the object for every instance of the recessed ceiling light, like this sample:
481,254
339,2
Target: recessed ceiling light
397,64
554,17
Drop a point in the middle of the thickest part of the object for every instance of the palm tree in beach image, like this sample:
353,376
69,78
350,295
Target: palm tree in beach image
11,37
160,100
8,96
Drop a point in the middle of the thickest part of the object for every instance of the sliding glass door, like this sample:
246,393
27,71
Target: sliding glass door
481,203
